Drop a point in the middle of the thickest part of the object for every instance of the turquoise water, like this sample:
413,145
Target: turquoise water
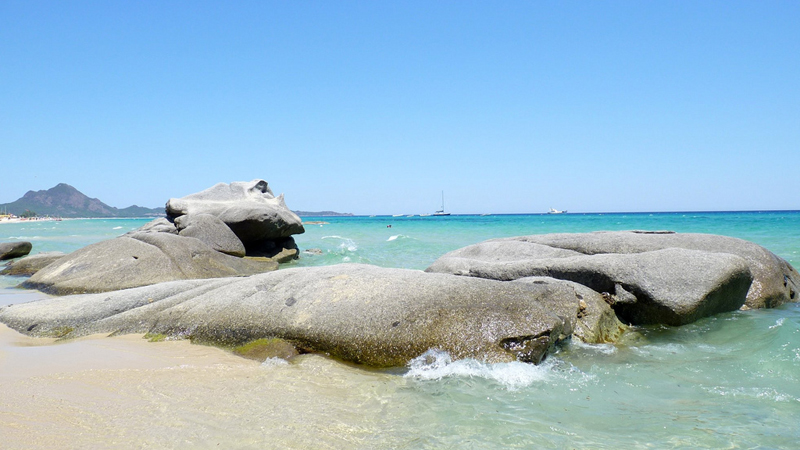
415,242
730,381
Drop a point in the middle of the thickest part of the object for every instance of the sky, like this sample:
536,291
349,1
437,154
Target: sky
380,107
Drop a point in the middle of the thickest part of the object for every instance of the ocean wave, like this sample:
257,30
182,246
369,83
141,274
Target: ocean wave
660,350
397,236
117,228
778,323
753,392
604,349
435,365
347,244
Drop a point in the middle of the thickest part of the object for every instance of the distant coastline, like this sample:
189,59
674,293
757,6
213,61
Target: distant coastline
322,214
29,219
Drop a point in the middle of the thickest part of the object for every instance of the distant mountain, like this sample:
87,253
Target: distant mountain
64,200
320,213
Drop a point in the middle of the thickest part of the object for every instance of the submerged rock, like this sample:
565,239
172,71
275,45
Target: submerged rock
649,277
11,250
363,314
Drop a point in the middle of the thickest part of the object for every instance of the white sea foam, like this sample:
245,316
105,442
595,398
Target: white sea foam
778,323
347,244
754,392
274,362
605,349
117,228
437,365
398,236
660,349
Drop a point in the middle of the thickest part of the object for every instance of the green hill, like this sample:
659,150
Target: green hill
65,201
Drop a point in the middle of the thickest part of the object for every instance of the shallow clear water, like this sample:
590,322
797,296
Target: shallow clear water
726,382
730,381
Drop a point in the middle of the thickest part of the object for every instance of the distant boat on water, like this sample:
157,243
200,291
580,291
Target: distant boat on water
555,211
441,211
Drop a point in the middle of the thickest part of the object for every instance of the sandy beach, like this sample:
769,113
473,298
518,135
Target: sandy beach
126,392
33,219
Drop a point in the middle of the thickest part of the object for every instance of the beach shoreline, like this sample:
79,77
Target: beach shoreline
115,392
31,219
124,391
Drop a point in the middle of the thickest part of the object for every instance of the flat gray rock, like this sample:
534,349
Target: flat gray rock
775,281
139,259
250,210
31,264
211,230
363,314
11,250
649,277
160,225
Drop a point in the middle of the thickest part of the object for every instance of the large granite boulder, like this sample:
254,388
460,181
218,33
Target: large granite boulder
649,277
250,210
160,225
11,250
31,264
586,313
211,230
775,281
139,259
363,314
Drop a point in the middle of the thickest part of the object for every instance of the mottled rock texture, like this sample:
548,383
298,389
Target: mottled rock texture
649,277
364,314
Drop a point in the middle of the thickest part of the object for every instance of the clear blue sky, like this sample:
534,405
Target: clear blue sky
377,107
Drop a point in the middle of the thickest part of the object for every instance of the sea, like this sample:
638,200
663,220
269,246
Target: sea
731,381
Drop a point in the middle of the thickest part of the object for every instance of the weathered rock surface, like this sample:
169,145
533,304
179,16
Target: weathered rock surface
160,225
586,313
775,281
139,259
281,250
211,230
651,277
11,250
31,264
364,314
250,210
204,236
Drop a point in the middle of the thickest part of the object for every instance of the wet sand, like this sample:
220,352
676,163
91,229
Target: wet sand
126,392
